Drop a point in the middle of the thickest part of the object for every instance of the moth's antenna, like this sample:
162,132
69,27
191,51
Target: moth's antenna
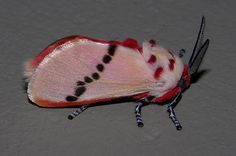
77,112
199,40
199,50
199,57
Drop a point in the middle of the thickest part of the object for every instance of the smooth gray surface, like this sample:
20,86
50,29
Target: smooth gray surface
207,110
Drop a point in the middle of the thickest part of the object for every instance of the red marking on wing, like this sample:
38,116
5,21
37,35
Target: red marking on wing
152,59
49,49
48,103
130,43
171,64
158,72
140,96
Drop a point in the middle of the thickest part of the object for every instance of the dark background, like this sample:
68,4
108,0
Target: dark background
207,109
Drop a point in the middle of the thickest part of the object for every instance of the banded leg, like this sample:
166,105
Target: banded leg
77,112
173,118
172,115
138,114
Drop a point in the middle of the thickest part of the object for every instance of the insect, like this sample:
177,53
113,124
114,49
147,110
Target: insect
81,71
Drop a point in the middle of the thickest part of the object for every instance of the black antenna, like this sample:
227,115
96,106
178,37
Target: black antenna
199,57
199,49
199,39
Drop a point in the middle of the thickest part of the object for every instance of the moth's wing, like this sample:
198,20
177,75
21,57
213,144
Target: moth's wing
56,77
127,74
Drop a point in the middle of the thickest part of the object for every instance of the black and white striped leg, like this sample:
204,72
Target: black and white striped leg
138,114
172,115
77,112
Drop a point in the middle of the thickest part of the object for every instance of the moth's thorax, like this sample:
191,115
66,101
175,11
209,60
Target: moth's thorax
167,69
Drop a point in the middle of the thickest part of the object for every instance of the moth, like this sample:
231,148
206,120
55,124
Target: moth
81,71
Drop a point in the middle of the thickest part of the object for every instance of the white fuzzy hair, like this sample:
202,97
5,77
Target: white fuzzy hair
28,70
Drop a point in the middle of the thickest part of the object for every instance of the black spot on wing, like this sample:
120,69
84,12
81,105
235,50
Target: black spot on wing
100,67
95,76
79,91
106,59
112,49
80,83
71,98
88,79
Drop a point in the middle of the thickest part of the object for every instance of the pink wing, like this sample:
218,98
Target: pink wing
83,71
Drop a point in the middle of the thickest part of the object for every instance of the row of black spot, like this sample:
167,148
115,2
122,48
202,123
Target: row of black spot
95,76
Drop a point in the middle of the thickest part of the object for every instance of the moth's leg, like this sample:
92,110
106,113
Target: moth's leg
171,112
141,103
137,112
77,112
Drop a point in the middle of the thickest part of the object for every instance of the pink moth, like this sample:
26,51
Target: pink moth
81,71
